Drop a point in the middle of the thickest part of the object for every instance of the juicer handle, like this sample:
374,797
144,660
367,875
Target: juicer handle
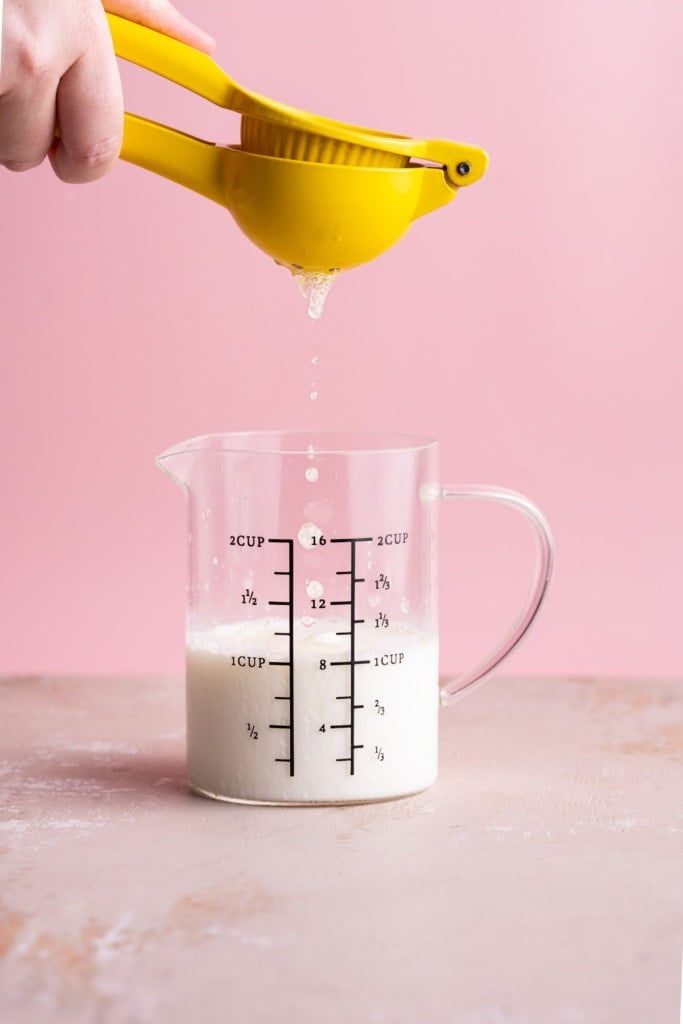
191,162
462,164
543,571
171,59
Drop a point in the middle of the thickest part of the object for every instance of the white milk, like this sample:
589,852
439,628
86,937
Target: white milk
232,706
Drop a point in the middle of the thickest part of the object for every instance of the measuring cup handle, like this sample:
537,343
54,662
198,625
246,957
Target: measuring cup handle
542,574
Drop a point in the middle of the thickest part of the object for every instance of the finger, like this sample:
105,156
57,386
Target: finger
28,84
27,124
162,16
89,113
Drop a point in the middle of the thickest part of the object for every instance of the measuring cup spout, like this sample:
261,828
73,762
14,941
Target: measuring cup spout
178,462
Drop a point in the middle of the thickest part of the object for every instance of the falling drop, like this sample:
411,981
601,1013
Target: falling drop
315,286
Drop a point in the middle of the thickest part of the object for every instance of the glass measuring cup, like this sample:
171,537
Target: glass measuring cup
312,646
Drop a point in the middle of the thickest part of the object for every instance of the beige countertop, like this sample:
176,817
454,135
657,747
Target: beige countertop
538,881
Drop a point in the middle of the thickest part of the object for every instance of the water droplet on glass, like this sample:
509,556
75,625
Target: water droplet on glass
309,535
312,474
306,621
214,560
314,588
311,451
314,396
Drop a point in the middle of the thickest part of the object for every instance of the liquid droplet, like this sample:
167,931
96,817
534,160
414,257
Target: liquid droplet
315,286
309,535
312,474
314,396
314,588
311,451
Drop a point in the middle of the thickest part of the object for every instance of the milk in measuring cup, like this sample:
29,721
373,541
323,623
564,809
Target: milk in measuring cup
239,712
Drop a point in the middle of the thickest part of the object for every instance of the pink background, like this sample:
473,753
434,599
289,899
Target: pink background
533,326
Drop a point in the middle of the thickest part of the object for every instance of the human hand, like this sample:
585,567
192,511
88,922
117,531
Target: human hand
60,91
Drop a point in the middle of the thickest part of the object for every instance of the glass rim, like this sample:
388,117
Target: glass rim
324,442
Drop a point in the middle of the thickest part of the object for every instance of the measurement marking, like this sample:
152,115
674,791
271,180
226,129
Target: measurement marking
352,540
289,632
358,746
346,726
351,633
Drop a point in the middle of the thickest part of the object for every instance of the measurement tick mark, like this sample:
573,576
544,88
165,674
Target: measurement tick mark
289,632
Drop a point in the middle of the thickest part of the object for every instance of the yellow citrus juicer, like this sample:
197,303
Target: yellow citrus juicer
316,195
